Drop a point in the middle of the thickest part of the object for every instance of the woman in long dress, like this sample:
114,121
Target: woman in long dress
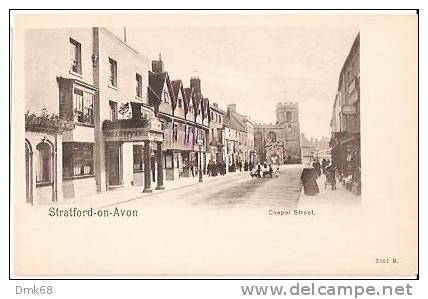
309,181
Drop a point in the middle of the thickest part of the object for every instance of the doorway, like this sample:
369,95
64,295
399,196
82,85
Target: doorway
114,165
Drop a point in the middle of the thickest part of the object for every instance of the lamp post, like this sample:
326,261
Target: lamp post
200,142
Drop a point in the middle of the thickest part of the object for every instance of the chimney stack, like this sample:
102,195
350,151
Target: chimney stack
231,108
195,82
157,65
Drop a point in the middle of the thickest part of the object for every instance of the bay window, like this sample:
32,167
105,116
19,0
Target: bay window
83,106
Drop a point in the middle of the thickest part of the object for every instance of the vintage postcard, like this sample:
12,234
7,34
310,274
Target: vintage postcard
214,144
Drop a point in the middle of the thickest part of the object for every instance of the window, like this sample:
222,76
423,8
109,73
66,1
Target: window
77,159
175,133
83,106
180,102
212,115
138,158
113,110
166,96
220,135
139,87
288,116
113,72
75,57
44,169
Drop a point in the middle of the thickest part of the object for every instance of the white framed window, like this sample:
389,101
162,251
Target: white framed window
83,106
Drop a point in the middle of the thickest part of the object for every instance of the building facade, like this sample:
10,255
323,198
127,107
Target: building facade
217,135
89,126
345,121
279,143
184,115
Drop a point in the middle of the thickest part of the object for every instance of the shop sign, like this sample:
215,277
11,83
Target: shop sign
126,135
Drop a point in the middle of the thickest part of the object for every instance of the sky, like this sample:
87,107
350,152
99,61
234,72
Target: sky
255,67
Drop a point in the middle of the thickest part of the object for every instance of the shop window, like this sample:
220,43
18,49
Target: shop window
77,159
138,158
139,85
75,57
113,72
44,169
83,106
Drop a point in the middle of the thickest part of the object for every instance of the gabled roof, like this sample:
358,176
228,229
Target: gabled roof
177,85
197,99
206,107
188,97
157,82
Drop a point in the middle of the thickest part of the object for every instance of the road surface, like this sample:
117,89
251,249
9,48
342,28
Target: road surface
235,191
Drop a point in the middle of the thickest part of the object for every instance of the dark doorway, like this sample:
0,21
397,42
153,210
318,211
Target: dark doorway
114,164
153,167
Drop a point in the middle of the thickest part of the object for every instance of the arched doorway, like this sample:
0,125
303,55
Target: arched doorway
28,173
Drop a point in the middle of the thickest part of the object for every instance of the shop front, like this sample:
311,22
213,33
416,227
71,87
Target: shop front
134,153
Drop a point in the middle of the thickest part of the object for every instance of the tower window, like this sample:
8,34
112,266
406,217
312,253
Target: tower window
288,116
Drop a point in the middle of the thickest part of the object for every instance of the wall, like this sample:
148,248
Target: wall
129,62
47,56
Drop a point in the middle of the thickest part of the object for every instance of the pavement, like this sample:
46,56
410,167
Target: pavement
329,199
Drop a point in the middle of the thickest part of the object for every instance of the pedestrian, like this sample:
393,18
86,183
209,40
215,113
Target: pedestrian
192,170
209,168
324,164
331,176
259,170
317,167
240,166
309,181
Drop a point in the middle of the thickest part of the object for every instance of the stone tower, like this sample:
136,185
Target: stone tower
287,116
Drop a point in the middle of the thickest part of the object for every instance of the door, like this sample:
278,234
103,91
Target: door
28,174
113,156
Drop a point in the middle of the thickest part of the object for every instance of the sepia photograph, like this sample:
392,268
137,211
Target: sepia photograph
214,144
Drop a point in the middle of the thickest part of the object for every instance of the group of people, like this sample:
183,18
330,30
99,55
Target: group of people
219,167
310,175
267,170
216,168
